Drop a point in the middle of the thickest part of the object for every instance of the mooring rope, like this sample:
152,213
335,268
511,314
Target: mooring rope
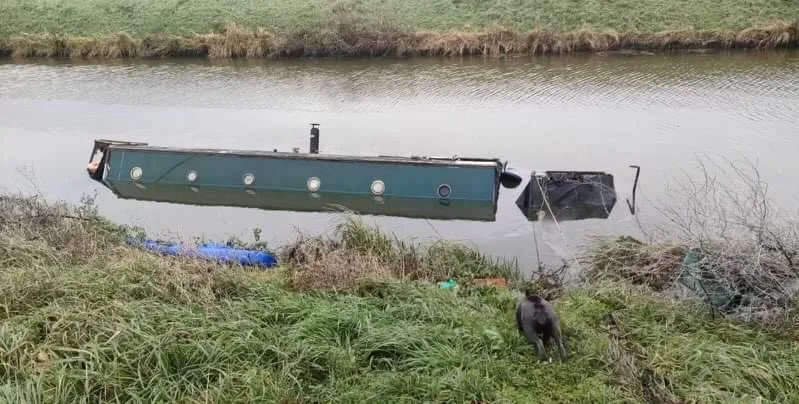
554,219
537,252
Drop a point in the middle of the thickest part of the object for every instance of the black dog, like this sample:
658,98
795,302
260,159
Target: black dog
536,319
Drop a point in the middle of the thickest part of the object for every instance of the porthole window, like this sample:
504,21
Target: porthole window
136,173
378,187
314,184
444,191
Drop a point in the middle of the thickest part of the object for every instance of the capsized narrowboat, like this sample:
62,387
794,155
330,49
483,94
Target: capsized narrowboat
442,188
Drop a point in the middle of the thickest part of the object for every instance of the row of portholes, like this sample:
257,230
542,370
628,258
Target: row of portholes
313,184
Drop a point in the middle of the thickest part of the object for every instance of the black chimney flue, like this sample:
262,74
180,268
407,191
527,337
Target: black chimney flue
314,149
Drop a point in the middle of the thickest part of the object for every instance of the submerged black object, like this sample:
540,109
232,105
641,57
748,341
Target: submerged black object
509,179
571,195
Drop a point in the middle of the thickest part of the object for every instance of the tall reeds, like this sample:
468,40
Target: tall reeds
236,41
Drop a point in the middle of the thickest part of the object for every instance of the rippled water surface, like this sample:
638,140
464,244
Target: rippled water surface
582,113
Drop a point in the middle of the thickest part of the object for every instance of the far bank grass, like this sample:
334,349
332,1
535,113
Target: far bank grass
238,28
86,319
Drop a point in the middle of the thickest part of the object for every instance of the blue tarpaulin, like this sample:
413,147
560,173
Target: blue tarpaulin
214,252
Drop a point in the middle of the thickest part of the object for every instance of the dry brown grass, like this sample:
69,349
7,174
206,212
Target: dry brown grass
34,232
235,41
351,38
355,252
767,289
749,247
119,45
38,237
655,266
339,270
48,246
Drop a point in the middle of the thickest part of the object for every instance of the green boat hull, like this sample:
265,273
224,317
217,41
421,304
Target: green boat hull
433,188
322,202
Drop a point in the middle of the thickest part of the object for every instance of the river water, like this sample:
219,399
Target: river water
586,112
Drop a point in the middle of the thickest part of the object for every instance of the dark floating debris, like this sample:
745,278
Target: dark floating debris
568,195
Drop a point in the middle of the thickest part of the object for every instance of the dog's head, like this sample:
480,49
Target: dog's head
532,296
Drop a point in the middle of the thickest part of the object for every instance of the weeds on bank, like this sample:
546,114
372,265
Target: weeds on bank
675,351
356,251
749,247
359,38
385,341
40,239
150,28
35,232
118,324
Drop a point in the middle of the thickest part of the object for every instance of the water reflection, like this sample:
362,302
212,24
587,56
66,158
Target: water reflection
421,208
561,113
706,81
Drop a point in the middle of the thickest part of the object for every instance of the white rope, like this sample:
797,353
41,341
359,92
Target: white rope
554,219
537,252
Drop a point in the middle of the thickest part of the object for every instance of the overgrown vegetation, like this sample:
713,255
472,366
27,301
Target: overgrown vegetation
725,230
357,252
237,28
109,323
36,233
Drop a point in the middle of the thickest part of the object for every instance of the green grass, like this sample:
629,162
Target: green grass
83,333
140,17
112,324
368,27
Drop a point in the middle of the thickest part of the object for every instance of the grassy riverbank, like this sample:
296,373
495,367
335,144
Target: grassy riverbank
351,317
237,28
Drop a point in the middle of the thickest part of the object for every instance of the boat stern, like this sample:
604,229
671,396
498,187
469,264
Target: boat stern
98,160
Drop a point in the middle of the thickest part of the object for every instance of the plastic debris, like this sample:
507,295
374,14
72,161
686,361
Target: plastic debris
704,285
495,282
211,252
449,284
